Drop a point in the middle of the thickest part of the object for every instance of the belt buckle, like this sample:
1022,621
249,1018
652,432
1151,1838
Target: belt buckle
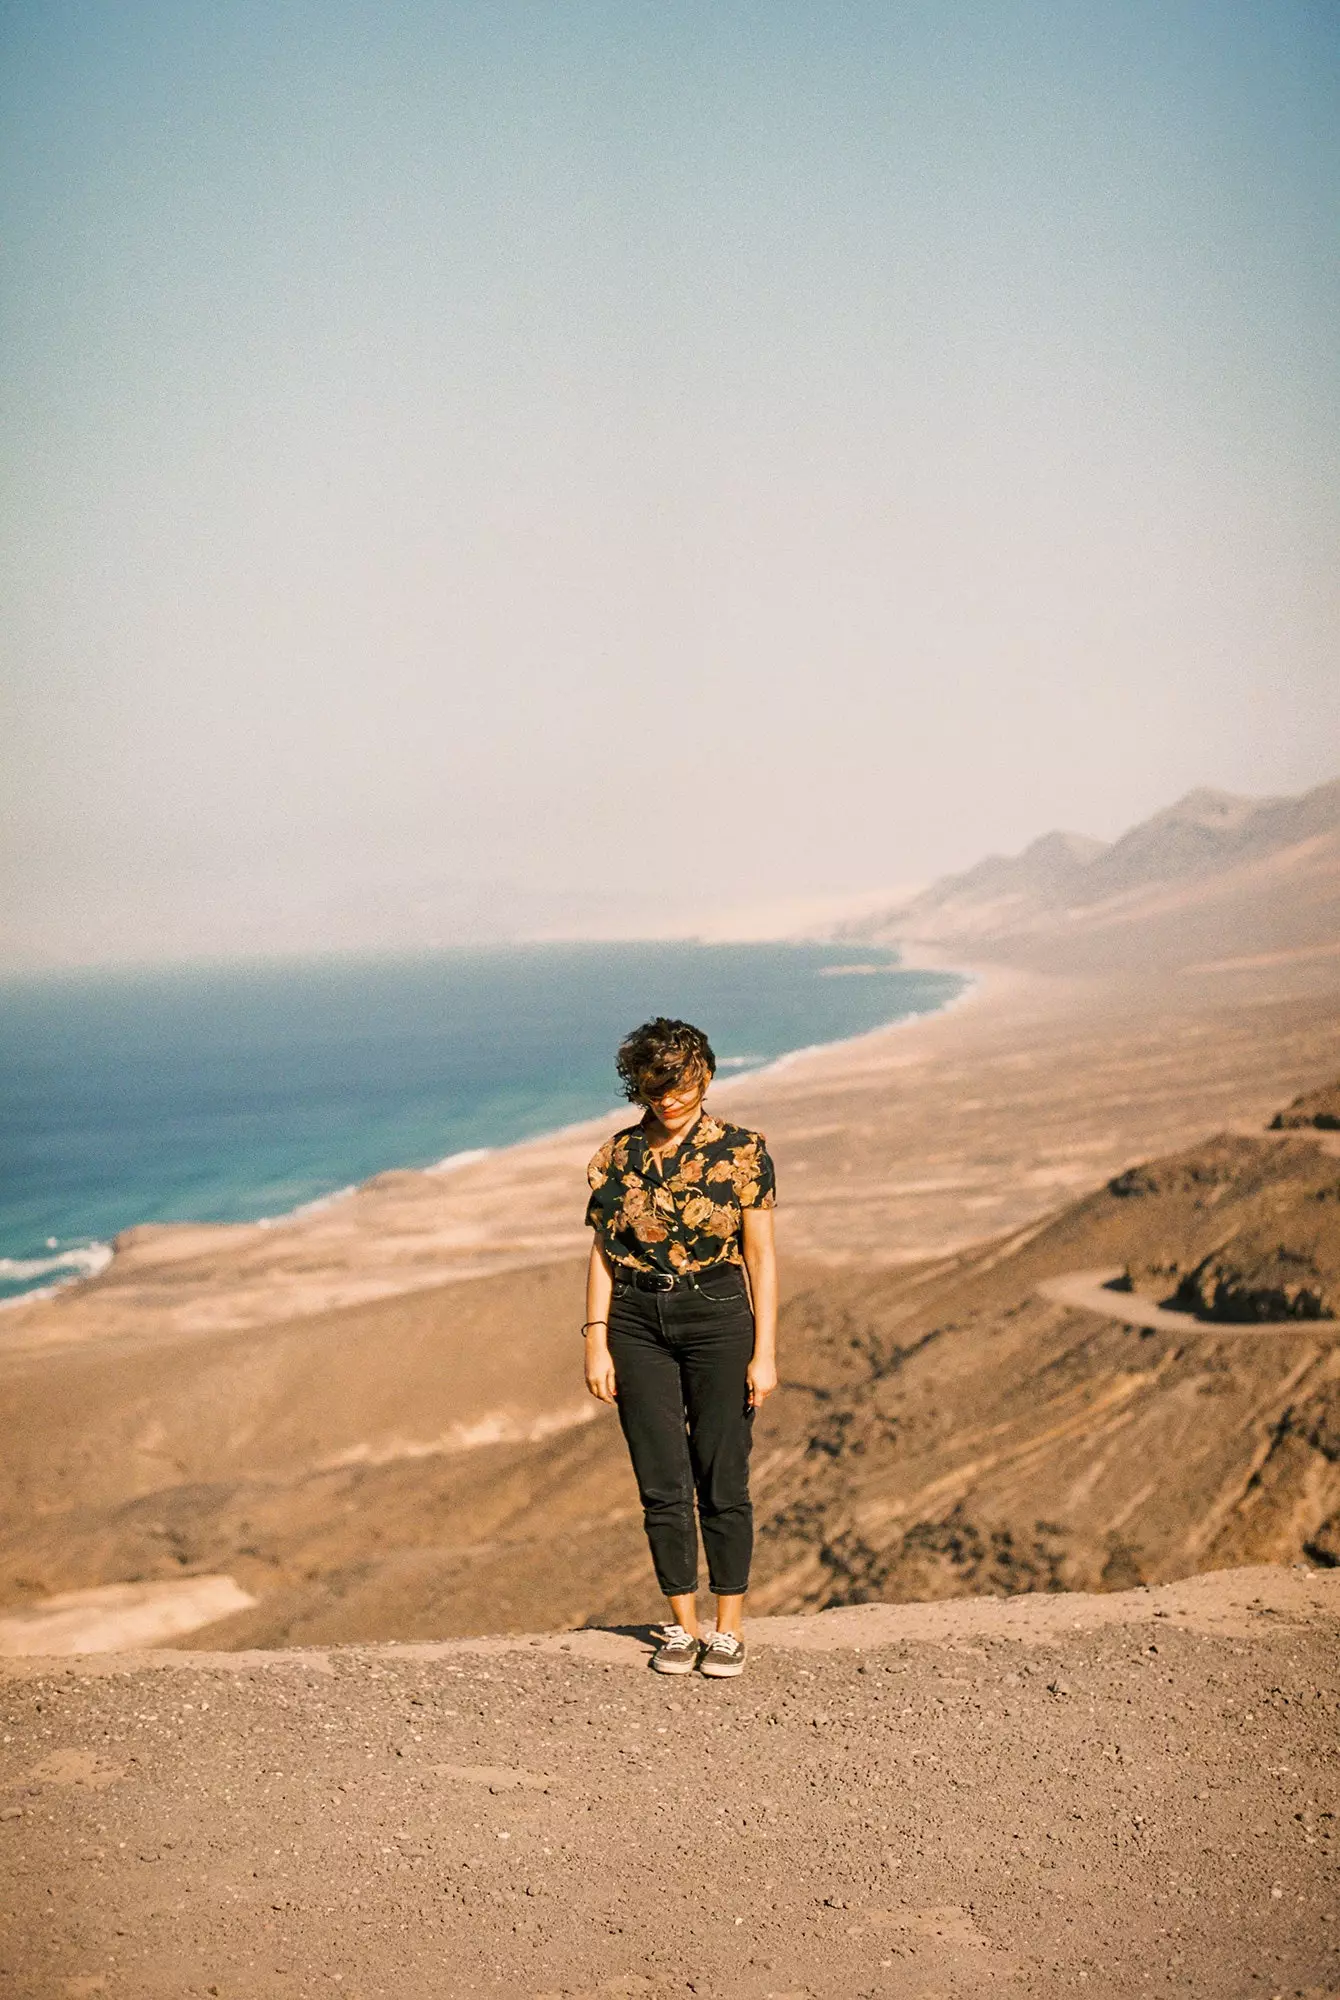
660,1281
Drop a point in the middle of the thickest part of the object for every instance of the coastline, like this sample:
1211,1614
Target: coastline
972,981
101,1255
94,1254
393,1233
906,1143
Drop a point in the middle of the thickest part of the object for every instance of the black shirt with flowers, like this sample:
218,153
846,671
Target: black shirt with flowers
685,1214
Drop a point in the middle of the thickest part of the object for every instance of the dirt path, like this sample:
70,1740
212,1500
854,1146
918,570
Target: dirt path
1093,1291
1120,1795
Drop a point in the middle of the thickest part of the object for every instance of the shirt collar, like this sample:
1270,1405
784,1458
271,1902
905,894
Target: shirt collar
642,1147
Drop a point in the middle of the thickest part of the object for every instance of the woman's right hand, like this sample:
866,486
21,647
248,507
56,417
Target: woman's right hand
600,1369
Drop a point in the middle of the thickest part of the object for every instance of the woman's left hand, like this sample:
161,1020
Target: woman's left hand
762,1380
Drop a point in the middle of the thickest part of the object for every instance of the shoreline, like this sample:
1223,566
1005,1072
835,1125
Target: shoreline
906,1143
106,1252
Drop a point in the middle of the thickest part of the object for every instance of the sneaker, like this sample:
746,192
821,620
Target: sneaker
677,1652
723,1657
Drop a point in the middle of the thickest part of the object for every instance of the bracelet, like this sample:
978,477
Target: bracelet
589,1323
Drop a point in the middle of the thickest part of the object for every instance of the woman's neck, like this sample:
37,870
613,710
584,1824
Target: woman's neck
663,1138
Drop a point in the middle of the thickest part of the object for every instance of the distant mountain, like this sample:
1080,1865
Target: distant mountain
1207,831
1213,873
1000,888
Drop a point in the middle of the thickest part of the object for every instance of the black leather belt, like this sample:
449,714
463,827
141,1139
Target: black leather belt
666,1281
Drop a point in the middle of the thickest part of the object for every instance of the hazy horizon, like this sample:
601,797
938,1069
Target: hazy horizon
594,471
780,920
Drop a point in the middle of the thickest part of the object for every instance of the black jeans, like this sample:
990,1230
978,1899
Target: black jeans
680,1360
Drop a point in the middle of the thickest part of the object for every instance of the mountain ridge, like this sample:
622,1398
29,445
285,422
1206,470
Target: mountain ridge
1209,849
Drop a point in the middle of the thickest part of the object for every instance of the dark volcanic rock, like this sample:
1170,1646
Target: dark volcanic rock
1252,1280
1204,1172
1317,1108
1238,1229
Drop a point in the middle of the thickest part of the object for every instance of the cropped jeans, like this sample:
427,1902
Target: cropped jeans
680,1365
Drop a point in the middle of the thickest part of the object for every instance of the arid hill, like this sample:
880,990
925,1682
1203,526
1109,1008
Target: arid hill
1317,1108
971,1432
1239,1230
1212,880
943,1429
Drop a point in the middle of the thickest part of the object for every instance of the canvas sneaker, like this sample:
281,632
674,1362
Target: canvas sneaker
723,1657
677,1652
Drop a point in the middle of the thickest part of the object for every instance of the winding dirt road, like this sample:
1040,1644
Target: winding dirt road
1093,1291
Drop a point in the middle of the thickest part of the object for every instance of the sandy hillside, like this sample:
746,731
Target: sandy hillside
1129,1795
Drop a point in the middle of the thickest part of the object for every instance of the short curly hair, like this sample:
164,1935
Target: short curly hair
661,1053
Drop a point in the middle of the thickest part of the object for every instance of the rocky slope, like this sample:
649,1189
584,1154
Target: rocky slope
943,1428
970,1433
1319,1109
1240,1230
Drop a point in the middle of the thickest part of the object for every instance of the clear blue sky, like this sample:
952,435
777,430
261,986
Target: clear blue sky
485,467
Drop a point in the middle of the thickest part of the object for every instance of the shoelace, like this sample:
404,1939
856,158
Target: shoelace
675,1635
724,1642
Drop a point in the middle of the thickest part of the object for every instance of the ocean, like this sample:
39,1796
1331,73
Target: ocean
225,1094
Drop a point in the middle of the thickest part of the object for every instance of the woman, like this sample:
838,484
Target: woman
681,1205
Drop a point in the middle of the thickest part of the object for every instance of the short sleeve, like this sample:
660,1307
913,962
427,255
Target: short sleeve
597,1175
761,1189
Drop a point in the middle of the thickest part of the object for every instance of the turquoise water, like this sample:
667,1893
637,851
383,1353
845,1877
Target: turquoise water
226,1094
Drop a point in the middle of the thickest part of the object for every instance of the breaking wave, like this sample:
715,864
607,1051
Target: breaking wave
62,1267
85,1262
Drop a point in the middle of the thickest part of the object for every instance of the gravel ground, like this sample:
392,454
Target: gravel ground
989,1805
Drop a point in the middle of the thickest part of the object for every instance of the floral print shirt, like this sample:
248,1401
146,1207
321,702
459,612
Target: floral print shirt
685,1214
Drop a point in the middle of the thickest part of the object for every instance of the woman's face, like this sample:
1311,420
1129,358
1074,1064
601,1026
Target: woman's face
677,1104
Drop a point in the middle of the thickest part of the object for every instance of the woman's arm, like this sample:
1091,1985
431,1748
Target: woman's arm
599,1291
760,1260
